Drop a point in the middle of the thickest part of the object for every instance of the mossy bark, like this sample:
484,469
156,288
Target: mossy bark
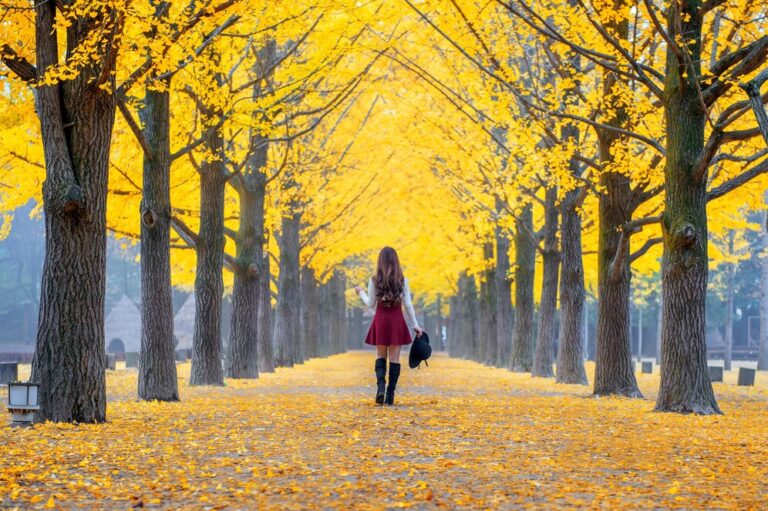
685,385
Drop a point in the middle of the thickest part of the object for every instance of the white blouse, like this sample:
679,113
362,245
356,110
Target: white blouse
369,299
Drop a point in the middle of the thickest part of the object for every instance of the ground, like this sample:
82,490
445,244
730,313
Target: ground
461,436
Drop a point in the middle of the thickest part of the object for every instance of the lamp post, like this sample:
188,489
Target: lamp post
22,402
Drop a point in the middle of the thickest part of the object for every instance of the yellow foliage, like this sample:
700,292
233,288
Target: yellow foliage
311,437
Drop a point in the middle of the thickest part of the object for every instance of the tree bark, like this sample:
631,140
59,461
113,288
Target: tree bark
487,323
466,323
503,301
266,361
243,347
286,336
207,350
614,370
251,185
76,119
570,354
545,342
762,355
157,363
525,267
338,313
309,308
685,384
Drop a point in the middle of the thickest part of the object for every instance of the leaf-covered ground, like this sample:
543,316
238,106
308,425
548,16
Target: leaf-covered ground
462,436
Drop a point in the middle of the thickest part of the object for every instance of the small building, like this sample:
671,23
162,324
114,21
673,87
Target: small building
122,327
184,324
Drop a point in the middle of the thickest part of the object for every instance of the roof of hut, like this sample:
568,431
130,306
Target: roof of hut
124,322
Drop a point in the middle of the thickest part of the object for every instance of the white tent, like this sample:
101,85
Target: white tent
123,322
184,324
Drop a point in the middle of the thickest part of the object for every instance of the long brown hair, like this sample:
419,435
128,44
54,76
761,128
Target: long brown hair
389,280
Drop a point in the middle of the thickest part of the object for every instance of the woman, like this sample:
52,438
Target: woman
388,290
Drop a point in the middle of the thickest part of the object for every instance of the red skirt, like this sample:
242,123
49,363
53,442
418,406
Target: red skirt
388,327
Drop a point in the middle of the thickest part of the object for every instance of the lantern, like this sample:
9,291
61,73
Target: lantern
22,402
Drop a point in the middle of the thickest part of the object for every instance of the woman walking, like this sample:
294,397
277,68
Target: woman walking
388,290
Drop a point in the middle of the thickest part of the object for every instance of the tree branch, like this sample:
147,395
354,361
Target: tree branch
20,66
735,182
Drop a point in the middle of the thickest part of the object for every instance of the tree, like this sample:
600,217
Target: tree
75,107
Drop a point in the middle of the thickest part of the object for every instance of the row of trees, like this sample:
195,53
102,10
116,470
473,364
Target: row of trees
281,142
224,103
627,121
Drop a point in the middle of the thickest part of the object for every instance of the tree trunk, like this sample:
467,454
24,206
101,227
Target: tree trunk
570,354
243,347
157,363
762,355
266,361
466,323
614,370
76,119
207,351
503,301
338,313
309,306
251,184
286,335
324,319
685,384
525,267
487,324
452,340
545,343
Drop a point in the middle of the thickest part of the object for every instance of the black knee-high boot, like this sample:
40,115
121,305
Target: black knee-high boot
394,374
381,373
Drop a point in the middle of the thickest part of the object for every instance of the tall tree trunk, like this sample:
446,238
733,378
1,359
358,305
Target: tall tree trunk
251,185
243,347
207,350
762,355
685,384
525,267
570,354
487,324
614,370
503,301
466,330
452,340
309,306
658,330
324,319
286,334
157,364
266,360
76,119
338,313
545,343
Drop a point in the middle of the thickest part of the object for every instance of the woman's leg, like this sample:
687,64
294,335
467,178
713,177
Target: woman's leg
394,353
394,374
381,372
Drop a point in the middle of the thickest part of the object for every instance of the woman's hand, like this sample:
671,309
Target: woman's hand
358,290
419,331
